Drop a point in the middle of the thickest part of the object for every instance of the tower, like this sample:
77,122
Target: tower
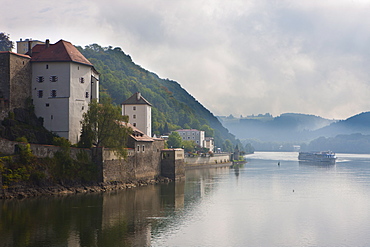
139,111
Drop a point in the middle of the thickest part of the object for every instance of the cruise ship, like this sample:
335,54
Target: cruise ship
325,156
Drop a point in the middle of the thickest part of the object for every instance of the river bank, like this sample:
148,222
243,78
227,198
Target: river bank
21,191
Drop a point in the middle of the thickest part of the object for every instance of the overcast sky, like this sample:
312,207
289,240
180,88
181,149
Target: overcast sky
237,57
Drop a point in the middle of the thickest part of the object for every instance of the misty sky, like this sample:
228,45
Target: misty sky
235,57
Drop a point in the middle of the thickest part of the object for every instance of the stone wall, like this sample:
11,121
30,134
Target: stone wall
145,162
173,165
217,159
15,81
42,151
142,163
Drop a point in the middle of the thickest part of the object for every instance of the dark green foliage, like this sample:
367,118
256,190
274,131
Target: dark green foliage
173,107
5,43
103,126
174,140
24,123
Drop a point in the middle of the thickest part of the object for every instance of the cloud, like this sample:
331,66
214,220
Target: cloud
235,57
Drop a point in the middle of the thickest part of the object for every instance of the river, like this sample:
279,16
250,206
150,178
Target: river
259,204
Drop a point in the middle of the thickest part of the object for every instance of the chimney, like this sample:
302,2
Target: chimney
47,43
138,96
30,48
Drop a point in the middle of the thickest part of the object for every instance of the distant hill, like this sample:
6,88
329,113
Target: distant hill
359,123
286,127
173,106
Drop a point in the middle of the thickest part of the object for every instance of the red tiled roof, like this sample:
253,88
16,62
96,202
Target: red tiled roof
62,51
137,134
18,54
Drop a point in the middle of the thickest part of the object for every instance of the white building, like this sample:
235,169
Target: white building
209,142
63,84
192,135
139,111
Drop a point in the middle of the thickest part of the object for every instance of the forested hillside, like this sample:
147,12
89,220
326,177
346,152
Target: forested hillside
173,107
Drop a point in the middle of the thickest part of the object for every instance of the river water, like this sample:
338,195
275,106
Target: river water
259,204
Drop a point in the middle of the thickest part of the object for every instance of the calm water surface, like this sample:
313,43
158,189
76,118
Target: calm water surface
260,204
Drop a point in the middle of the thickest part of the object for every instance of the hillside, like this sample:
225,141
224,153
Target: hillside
286,127
359,123
173,106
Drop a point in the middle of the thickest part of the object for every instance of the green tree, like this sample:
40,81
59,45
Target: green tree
227,146
103,125
189,146
5,43
174,140
209,132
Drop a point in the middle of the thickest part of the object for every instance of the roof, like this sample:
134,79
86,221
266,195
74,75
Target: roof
62,51
13,53
137,134
189,130
136,99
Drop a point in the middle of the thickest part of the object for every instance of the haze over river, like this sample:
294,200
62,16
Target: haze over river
260,204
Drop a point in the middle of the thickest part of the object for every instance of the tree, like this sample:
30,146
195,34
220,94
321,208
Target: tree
103,125
209,132
174,140
189,146
5,43
227,146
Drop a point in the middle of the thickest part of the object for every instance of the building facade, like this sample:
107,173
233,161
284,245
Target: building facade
63,84
192,135
24,46
139,111
15,81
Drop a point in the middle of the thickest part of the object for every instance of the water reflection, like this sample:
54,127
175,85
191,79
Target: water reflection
111,219
260,204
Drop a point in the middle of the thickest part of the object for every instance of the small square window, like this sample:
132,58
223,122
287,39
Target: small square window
40,79
134,124
47,105
134,108
40,93
82,80
53,93
53,78
134,116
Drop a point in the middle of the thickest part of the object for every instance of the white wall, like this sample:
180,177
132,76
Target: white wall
64,112
139,116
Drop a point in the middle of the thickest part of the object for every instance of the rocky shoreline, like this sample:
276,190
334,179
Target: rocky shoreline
28,191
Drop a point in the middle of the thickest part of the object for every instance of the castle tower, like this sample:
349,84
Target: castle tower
139,111
63,84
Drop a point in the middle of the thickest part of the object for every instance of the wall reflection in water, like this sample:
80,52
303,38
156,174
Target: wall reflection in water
122,218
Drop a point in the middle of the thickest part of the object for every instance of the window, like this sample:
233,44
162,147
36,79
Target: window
134,116
82,80
143,148
134,124
47,104
134,108
51,117
40,93
53,78
87,95
53,93
47,66
138,148
40,79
